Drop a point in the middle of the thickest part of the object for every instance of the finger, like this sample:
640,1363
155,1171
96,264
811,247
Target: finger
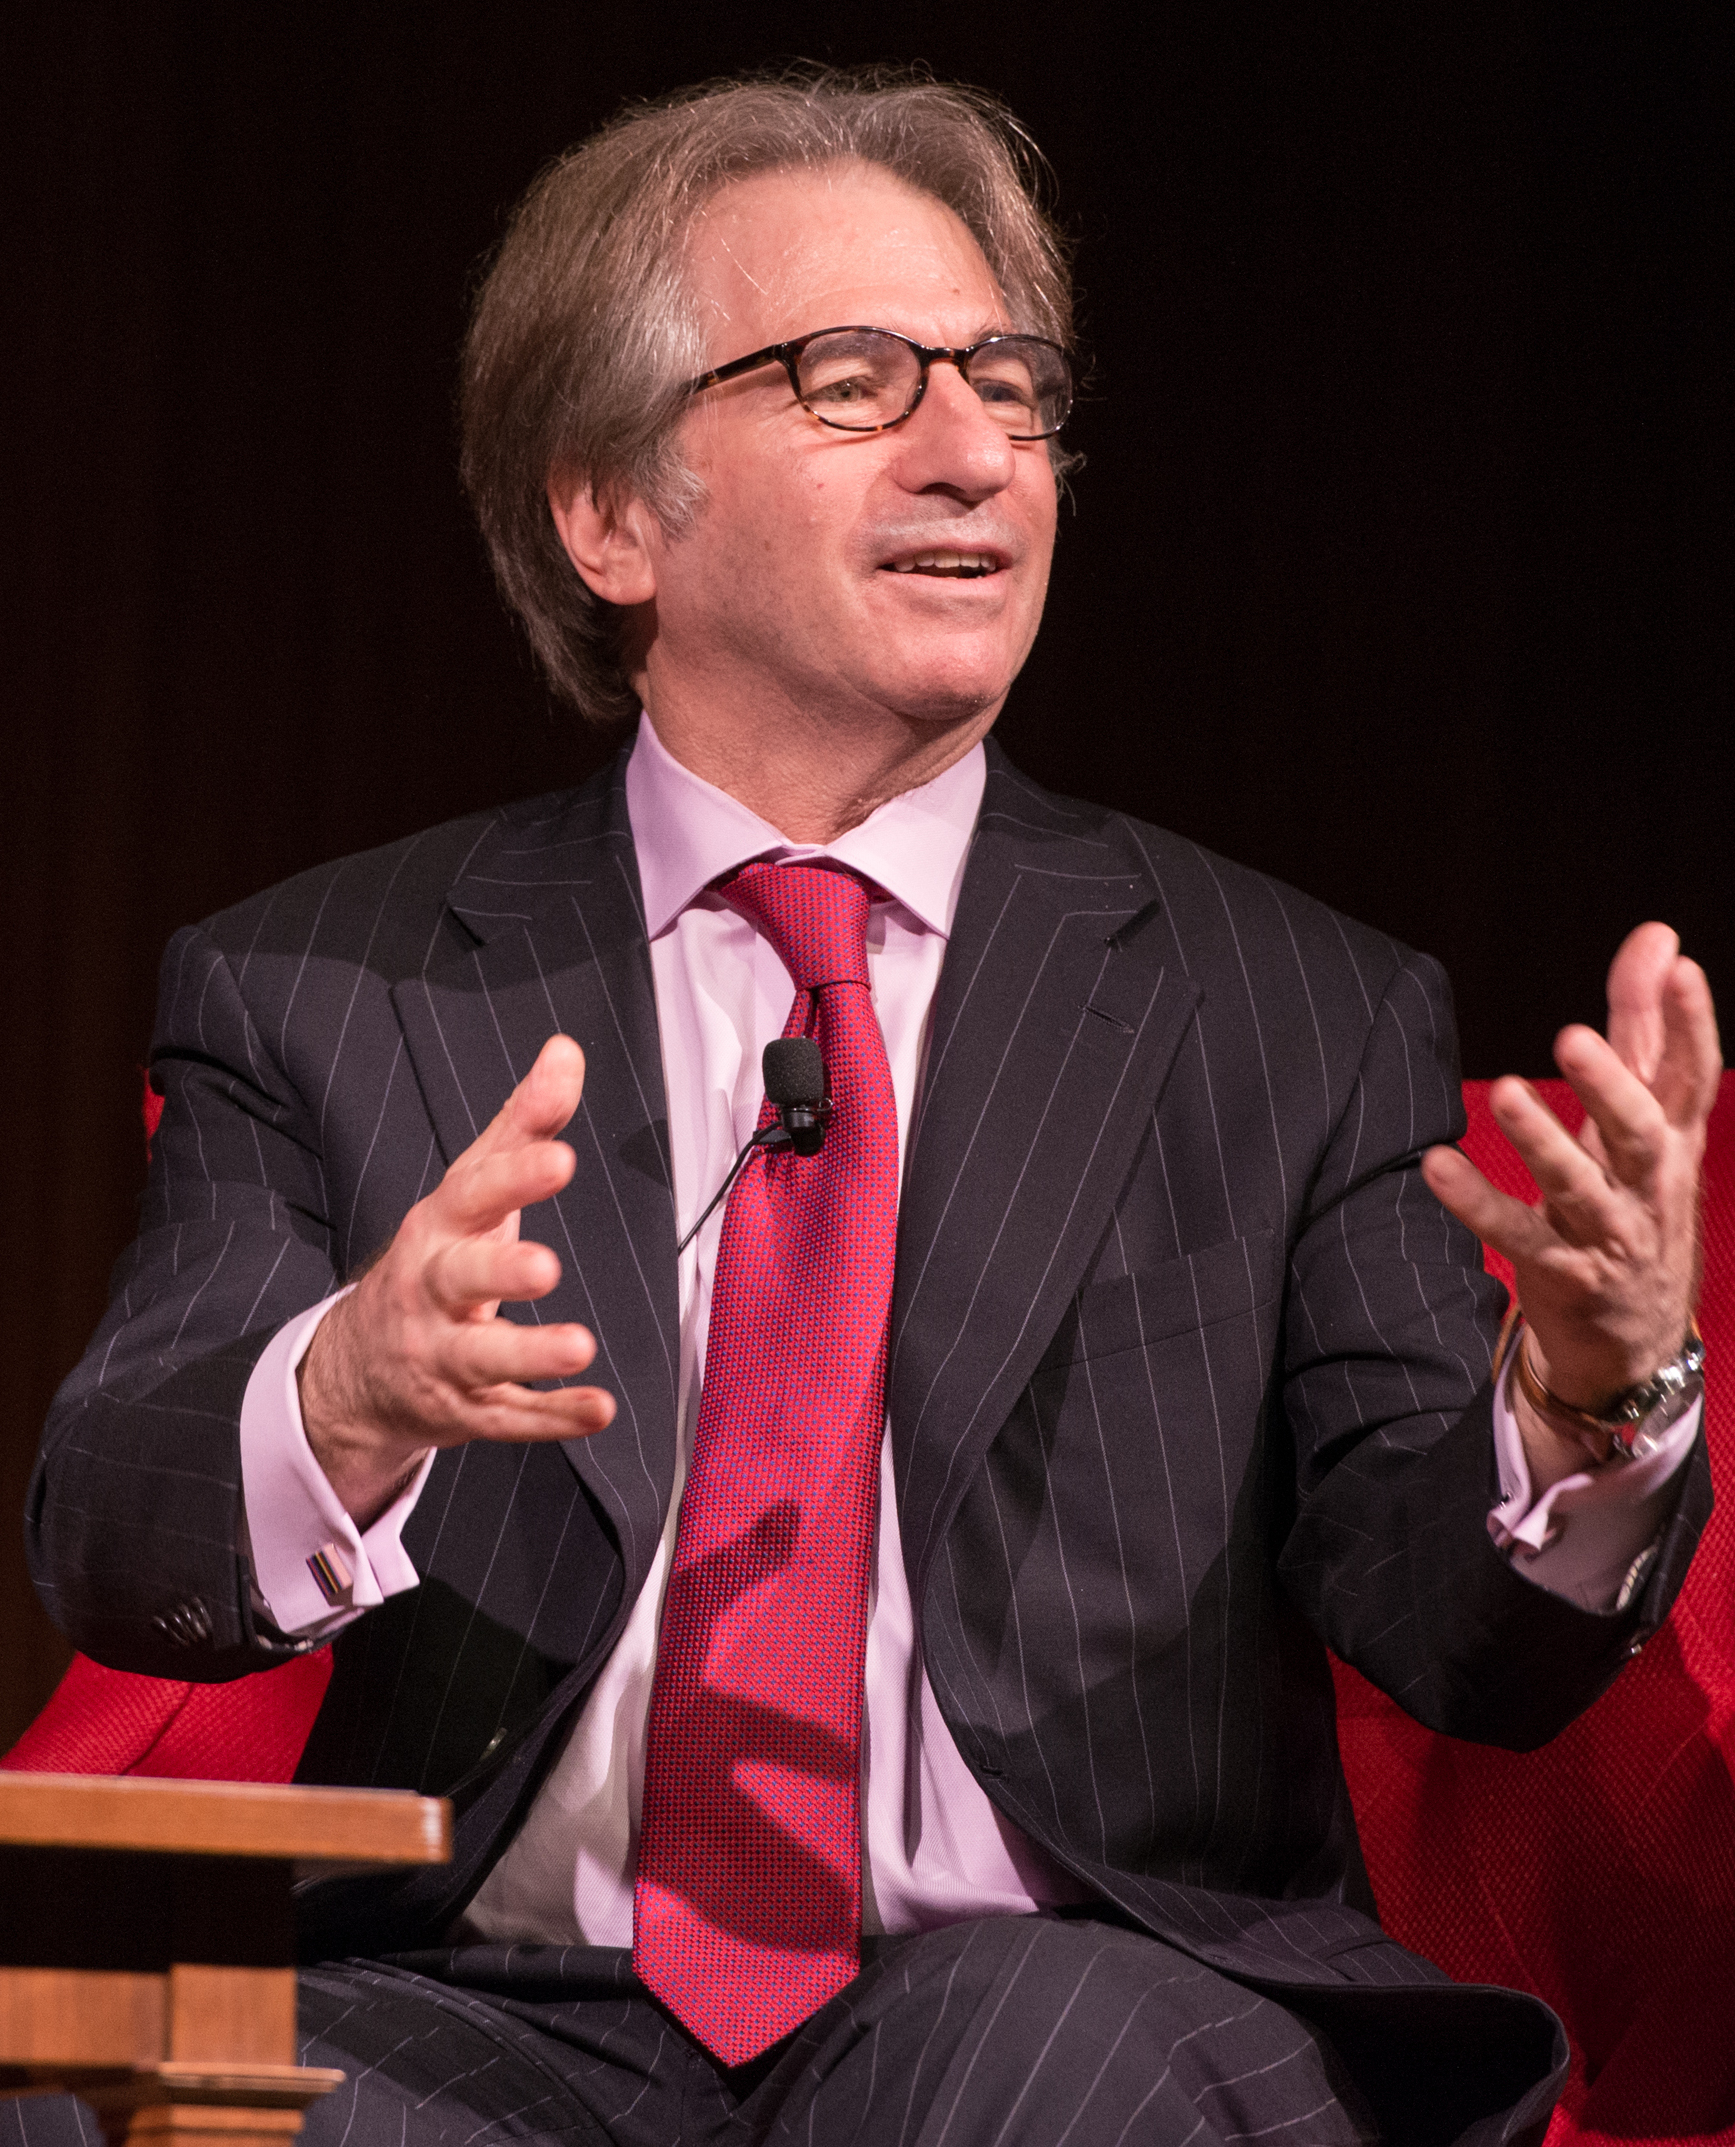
542,1103
1692,1064
1630,1124
539,1106
1496,1218
494,1351
1574,1187
519,1415
483,1188
1635,995
472,1271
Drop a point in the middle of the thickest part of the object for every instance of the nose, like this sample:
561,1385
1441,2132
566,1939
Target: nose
949,443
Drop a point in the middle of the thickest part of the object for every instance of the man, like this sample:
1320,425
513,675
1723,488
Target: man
891,1702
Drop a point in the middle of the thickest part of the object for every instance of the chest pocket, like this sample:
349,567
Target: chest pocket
1231,1281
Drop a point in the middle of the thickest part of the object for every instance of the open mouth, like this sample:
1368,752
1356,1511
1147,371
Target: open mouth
951,566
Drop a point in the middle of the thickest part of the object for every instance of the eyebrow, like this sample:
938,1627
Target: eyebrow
979,334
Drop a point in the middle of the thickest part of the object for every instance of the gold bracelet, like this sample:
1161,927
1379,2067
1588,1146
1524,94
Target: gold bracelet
1610,1432
1590,1432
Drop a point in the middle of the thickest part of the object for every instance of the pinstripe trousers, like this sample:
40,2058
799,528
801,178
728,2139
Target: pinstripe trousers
1021,2031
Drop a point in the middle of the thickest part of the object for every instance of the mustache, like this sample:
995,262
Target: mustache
965,532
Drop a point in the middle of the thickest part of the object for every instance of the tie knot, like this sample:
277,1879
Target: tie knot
814,915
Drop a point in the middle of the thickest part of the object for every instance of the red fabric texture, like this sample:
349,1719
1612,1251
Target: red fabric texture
747,1911
1598,1872
150,1107
111,1722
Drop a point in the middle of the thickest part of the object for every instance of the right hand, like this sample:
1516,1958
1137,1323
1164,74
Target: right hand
415,1357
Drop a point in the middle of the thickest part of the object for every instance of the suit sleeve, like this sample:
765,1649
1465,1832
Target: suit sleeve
1384,1389
134,1512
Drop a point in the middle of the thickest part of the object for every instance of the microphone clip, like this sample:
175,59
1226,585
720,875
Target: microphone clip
800,1126
796,1085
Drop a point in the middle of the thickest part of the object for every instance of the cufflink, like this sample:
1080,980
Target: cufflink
331,1574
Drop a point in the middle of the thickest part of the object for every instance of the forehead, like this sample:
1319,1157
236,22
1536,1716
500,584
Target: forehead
783,253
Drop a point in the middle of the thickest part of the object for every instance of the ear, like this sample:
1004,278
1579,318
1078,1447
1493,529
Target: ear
607,539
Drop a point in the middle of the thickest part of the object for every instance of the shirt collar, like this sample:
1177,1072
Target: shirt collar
688,833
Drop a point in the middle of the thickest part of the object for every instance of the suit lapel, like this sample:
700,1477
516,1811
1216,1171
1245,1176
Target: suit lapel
554,908
1060,1008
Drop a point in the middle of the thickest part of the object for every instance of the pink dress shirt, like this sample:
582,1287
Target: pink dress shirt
945,1852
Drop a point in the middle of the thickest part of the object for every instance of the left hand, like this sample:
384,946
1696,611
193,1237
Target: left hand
1607,1261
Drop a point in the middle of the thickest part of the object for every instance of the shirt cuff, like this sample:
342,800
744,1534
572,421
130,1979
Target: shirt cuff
1590,1537
315,1570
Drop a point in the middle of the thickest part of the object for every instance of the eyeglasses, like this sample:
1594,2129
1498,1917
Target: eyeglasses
869,379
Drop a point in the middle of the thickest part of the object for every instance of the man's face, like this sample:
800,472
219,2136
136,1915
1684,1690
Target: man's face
821,572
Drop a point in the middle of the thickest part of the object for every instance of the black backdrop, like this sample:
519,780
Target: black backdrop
1398,564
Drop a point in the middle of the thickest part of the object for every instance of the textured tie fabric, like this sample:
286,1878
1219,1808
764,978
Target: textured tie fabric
747,1910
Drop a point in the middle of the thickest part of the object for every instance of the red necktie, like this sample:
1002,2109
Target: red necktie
747,1914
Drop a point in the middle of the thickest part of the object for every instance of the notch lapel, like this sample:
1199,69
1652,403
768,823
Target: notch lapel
1061,1006
555,909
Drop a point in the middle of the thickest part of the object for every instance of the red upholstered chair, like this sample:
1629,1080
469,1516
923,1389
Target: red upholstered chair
1598,1872
109,1722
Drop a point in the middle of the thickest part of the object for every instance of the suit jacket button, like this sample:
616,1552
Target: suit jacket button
187,1625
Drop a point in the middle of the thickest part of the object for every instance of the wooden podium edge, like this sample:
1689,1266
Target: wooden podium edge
284,1820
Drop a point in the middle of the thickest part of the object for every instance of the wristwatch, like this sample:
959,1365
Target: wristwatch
1614,1430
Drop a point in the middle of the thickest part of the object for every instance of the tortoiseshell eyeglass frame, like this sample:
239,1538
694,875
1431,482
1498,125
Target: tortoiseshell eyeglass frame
788,355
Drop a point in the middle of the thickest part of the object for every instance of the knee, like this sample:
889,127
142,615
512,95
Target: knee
48,2121
1038,1963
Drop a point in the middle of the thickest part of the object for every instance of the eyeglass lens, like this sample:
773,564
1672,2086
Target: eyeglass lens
860,380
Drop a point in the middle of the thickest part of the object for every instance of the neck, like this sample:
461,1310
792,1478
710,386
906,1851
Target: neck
813,780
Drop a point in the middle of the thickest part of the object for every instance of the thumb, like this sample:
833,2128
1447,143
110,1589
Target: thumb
544,1101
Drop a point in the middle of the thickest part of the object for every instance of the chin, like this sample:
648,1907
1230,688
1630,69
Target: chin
951,689
938,703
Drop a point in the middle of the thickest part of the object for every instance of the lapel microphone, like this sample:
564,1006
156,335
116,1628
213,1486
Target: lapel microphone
794,1075
795,1082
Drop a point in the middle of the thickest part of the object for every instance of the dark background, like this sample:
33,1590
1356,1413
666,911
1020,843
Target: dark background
1399,565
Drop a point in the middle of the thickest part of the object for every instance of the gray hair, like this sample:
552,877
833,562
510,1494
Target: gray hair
584,333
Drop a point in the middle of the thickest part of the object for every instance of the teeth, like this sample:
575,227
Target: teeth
946,563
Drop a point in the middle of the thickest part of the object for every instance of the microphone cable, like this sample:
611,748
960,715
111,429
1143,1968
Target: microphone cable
794,1075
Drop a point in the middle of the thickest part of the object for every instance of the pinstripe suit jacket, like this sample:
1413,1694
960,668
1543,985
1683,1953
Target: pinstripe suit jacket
1188,1370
